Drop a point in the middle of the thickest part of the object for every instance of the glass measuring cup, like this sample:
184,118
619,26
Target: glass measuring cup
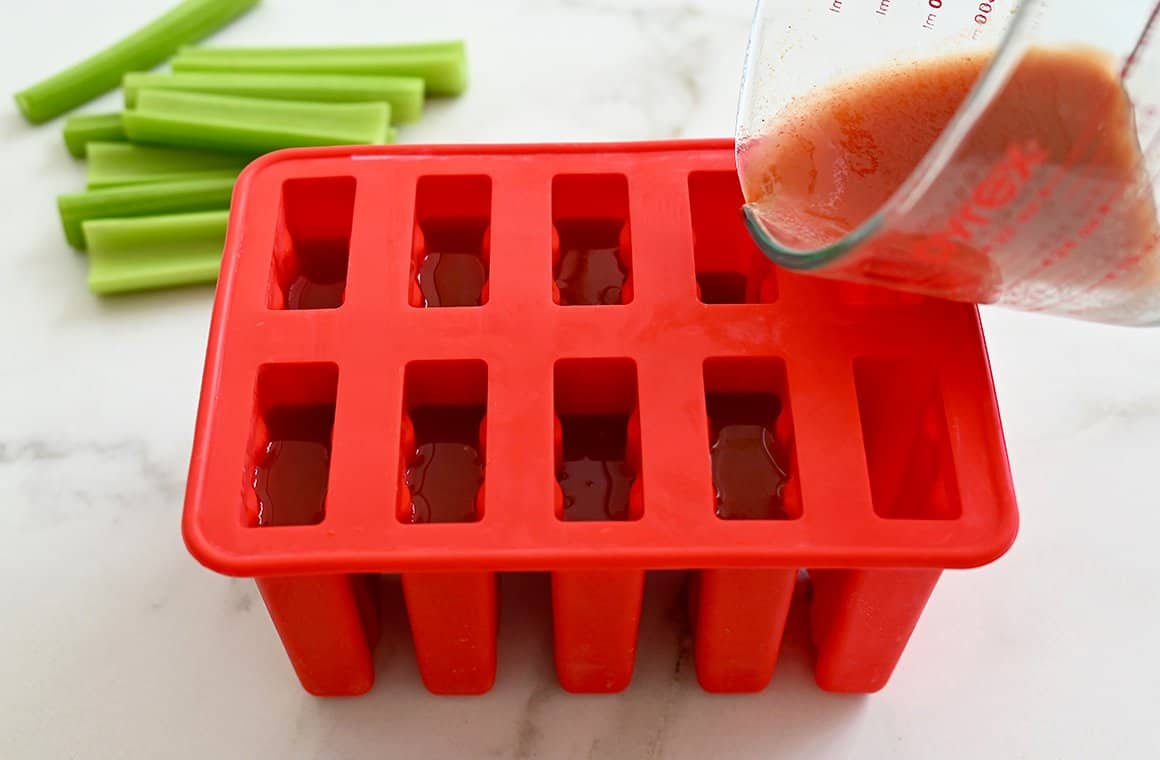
1003,151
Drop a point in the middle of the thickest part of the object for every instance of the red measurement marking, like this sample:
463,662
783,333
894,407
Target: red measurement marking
1103,208
932,17
987,200
1127,263
1047,190
984,11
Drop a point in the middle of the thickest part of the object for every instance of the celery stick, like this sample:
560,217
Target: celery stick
403,94
140,200
188,21
275,51
154,251
251,126
443,65
112,164
82,129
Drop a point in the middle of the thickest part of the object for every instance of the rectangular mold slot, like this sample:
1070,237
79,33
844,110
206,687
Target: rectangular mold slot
904,429
444,435
591,240
289,464
451,245
597,440
730,267
312,243
751,439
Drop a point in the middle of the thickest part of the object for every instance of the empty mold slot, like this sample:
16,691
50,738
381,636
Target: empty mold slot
597,440
730,267
289,462
591,240
451,245
443,442
904,429
751,439
312,243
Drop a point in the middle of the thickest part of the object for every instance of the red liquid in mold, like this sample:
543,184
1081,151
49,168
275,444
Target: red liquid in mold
749,469
453,273
291,473
305,293
722,287
452,279
590,271
594,474
445,471
321,280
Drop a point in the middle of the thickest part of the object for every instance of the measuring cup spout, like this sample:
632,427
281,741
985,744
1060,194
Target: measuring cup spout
779,252
752,215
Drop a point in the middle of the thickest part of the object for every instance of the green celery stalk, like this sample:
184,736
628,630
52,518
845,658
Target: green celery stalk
140,200
112,164
438,46
82,129
403,94
154,251
442,65
188,21
251,126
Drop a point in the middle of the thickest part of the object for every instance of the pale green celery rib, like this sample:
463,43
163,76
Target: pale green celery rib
152,252
403,94
251,126
186,22
113,164
442,65
82,129
275,51
140,200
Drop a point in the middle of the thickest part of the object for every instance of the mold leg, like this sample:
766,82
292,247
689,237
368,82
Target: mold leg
453,623
596,614
327,625
861,621
739,617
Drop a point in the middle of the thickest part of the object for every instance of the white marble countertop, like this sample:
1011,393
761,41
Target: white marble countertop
115,643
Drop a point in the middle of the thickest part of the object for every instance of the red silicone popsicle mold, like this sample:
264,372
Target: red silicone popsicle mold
698,410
